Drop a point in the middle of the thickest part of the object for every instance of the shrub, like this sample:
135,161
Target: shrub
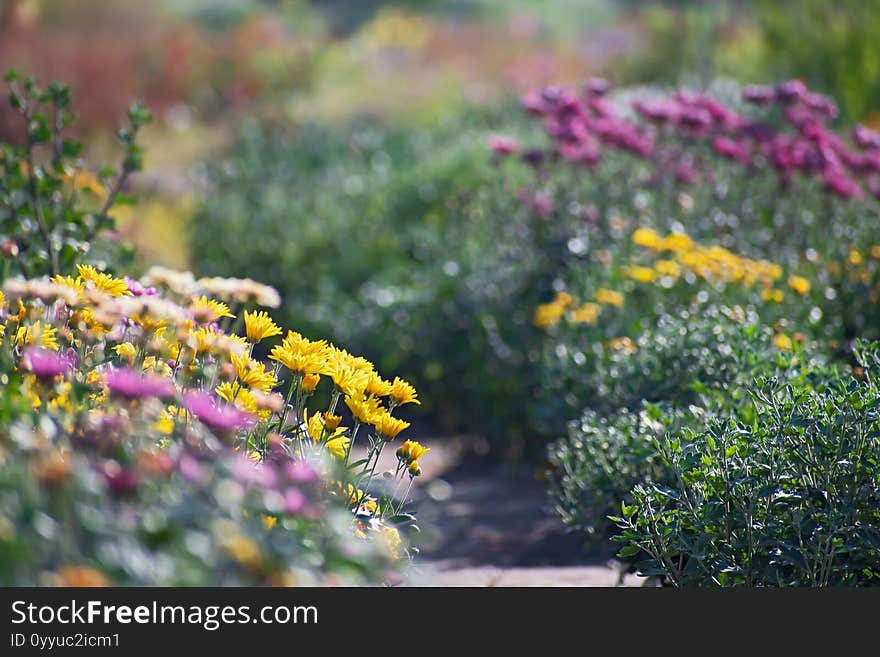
143,440
789,498
53,210
690,367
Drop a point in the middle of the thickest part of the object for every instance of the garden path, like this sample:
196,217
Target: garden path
485,523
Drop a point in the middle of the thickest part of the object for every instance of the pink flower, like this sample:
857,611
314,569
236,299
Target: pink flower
46,364
294,501
731,149
502,145
759,95
214,413
837,183
255,474
132,384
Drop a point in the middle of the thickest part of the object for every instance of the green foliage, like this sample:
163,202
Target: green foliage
691,366
51,214
789,498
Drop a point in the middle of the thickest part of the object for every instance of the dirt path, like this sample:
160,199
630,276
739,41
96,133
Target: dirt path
485,524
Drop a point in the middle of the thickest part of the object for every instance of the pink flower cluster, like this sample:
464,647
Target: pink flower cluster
787,132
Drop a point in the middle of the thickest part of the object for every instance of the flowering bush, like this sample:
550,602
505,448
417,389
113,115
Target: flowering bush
788,498
144,440
52,207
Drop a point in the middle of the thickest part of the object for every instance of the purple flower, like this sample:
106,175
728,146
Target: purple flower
657,112
866,138
139,290
214,413
837,183
299,472
191,470
791,90
294,501
256,474
731,149
131,384
759,95
502,145
597,87
46,364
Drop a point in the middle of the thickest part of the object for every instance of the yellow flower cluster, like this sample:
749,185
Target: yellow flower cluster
550,314
714,264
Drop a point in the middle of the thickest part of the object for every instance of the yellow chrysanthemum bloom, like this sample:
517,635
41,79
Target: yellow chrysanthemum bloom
777,296
2,332
624,344
207,310
331,421
668,268
338,447
301,355
388,425
2,299
258,325
548,314
115,287
75,284
253,373
782,342
241,398
640,274
403,393
268,521
411,450
364,410
609,297
799,284
377,386
315,427
126,351
647,237
165,423
348,376
157,365
855,257
310,382
588,313
677,242
37,333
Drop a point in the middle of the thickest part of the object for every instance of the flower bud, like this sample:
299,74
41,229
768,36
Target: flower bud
414,469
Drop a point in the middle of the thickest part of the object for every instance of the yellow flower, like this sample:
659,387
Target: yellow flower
2,299
315,427
677,242
244,550
331,421
126,351
856,257
609,297
115,287
388,426
548,314
253,373
773,295
363,410
411,450
259,325
414,469
668,268
390,538
623,344
300,355
310,382
338,447
647,237
75,284
268,521
640,274
157,365
377,386
241,398
207,310
587,313
403,393
782,342
37,333
165,423
799,284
